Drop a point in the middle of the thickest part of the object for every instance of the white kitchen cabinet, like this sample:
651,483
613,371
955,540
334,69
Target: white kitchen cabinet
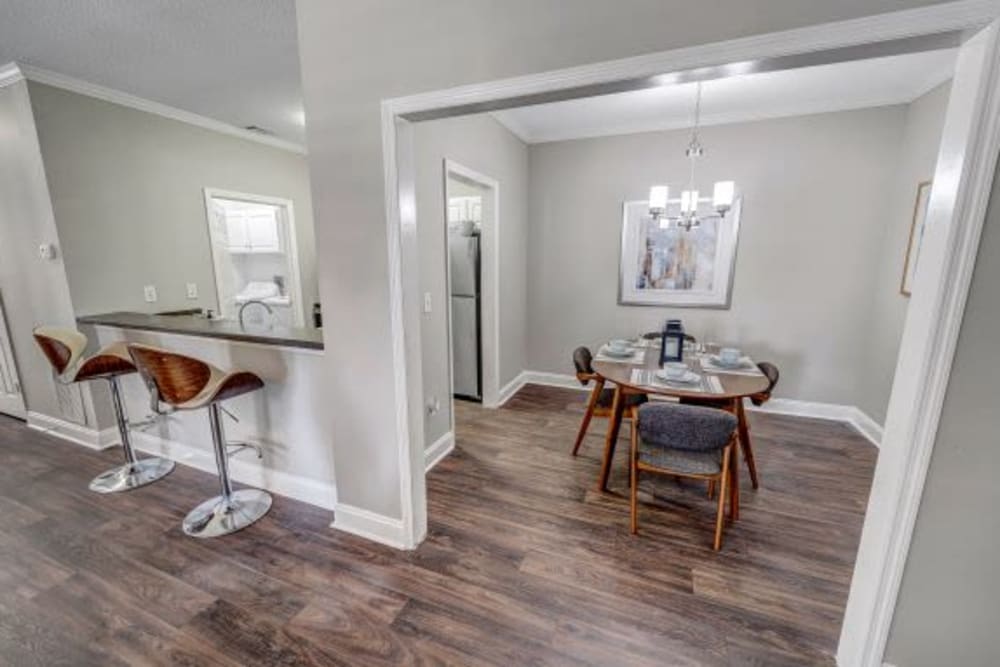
250,233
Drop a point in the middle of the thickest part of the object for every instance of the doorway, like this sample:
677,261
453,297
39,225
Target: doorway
255,257
471,242
954,221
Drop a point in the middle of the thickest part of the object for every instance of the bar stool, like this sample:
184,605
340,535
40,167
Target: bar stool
64,349
186,383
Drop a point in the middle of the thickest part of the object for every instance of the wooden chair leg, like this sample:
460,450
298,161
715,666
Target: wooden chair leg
591,404
633,466
746,445
734,486
724,478
711,489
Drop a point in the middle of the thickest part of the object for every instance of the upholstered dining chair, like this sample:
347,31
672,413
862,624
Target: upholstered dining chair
686,441
601,398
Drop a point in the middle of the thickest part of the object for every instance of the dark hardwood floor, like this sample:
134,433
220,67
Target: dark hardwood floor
525,564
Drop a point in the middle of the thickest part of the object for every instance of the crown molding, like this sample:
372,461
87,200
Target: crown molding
10,74
82,87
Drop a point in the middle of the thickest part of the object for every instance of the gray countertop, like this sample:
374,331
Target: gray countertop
189,325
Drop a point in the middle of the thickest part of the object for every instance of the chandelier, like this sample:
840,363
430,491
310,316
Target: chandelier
693,209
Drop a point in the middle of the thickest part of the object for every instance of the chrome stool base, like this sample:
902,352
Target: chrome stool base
212,518
132,475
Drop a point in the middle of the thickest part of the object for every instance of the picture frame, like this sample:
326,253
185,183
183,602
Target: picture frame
668,266
916,238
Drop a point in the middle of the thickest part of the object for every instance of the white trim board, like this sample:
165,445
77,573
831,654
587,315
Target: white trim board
243,470
371,526
10,74
73,432
314,492
441,448
13,72
849,414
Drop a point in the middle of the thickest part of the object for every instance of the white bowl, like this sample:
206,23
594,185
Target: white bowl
675,370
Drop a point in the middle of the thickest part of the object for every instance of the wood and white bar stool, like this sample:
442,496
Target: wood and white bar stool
186,383
64,349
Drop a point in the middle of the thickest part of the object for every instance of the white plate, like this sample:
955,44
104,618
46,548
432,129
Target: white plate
717,361
618,354
688,378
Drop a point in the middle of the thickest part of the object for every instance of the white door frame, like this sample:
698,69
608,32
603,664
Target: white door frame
956,214
286,205
11,394
490,292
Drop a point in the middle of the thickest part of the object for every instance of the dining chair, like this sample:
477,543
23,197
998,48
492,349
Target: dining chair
770,371
600,401
686,441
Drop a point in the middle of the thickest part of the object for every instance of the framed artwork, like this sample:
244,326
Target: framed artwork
916,238
667,266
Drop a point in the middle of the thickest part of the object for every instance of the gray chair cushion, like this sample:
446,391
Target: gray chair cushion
679,460
685,427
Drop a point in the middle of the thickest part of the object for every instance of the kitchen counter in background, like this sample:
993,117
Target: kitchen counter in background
189,325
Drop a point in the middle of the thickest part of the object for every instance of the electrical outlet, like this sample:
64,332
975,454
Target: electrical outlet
47,251
192,290
427,302
149,292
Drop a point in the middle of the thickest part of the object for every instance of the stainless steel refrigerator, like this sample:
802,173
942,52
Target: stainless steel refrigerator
463,254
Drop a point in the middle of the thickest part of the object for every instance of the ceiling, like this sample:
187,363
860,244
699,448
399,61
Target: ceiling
234,61
840,86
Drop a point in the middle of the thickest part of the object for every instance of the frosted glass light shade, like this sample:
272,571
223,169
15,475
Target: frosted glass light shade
722,196
658,198
689,201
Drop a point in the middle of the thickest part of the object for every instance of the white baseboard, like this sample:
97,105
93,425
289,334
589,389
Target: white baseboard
510,389
441,448
312,491
369,525
850,414
73,432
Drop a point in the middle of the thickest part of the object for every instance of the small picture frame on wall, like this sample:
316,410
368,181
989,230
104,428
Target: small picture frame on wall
916,238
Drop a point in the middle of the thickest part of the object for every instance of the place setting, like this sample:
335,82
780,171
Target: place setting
729,360
621,351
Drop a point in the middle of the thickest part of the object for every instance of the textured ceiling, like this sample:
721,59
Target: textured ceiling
840,86
231,60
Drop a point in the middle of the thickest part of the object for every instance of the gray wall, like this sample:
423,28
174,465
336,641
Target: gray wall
817,191
482,144
913,164
947,612
34,291
127,190
346,74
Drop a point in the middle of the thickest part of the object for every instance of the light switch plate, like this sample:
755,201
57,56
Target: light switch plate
192,290
427,302
149,292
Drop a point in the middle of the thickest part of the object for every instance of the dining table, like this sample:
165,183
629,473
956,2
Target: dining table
715,387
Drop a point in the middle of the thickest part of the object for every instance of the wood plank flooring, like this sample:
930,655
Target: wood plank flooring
525,564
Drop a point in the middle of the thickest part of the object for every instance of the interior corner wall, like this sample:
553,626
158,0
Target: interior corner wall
35,291
917,158
484,145
127,190
816,192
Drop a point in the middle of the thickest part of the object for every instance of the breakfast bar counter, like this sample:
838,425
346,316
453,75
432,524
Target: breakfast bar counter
192,325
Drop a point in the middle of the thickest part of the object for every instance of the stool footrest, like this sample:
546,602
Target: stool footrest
234,448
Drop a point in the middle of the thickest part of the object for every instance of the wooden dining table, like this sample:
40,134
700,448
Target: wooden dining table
727,393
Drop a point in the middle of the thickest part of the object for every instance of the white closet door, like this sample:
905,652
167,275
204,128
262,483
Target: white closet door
11,400
237,236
